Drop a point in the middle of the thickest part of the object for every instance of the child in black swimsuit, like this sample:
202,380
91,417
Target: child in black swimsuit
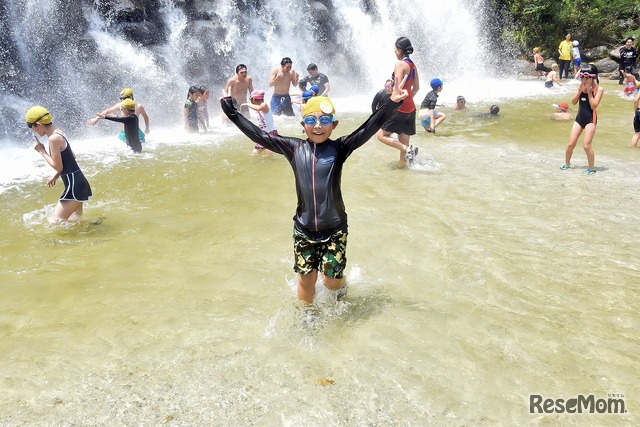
588,95
61,158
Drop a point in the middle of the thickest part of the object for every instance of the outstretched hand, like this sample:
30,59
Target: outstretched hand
399,93
94,120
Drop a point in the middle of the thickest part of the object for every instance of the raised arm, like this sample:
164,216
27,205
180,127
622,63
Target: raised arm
250,85
254,107
376,120
275,143
274,76
56,145
575,98
109,110
227,88
594,100
294,77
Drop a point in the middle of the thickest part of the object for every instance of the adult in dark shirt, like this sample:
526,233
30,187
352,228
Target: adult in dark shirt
130,121
315,78
628,55
320,221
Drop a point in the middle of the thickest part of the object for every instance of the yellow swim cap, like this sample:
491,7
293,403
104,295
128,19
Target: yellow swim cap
129,104
318,103
127,92
38,114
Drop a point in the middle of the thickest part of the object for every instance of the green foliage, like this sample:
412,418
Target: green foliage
544,23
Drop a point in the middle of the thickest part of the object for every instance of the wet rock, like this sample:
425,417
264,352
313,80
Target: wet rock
523,66
615,53
625,23
319,12
122,10
200,9
593,53
606,65
144,33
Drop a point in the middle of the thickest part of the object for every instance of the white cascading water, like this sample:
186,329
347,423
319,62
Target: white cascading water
71,59
59,69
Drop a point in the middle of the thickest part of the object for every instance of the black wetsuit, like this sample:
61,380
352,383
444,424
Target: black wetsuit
131,126
317,168
379,100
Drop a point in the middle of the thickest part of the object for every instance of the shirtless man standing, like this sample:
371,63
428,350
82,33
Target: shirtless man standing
238,87
281,78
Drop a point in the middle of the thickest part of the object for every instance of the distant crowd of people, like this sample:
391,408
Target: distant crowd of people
589,92
320,221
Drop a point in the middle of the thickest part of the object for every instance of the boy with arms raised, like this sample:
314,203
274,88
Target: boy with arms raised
320,221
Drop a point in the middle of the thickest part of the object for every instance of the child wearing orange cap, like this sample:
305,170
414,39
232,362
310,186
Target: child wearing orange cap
320,221
562,112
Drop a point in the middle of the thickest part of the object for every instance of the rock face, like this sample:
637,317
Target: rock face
159,46
593,53
606,65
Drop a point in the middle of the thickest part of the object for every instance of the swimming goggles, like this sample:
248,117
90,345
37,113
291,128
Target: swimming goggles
312,120
586,75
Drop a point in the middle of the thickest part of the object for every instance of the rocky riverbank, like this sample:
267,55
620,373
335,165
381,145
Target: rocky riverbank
604,58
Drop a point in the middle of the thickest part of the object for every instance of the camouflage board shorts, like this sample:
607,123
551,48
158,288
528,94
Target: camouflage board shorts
328,256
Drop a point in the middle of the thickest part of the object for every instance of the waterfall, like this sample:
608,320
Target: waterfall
75,57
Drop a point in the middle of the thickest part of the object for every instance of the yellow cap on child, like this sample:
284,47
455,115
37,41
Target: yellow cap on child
129,104
38,114
318,104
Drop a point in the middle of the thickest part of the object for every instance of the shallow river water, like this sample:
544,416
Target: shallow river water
482,275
